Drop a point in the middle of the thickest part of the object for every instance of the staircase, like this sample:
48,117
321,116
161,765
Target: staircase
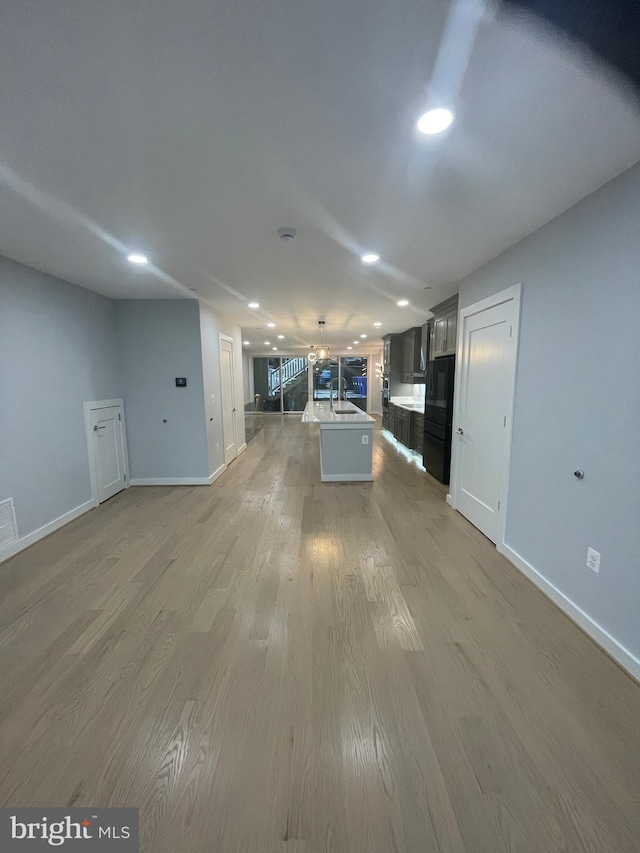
283,376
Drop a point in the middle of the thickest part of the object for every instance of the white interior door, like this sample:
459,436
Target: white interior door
228,401
482,417
107,437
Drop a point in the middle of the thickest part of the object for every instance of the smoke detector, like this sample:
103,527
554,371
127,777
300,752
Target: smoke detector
286,233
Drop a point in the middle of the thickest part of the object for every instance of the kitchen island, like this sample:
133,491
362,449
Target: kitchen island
346,440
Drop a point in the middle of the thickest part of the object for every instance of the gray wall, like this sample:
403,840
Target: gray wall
57,350
159,340
578,401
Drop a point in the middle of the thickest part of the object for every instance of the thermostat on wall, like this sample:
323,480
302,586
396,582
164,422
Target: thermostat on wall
181,381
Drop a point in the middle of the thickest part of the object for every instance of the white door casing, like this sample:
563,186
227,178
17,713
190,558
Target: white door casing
483,410
107,448
229,413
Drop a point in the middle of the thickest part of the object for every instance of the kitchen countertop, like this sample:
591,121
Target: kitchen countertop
410,407
319,412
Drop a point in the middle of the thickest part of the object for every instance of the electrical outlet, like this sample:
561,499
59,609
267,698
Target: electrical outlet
593,560
365,439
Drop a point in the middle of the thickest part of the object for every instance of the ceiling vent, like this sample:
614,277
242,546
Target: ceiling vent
286,233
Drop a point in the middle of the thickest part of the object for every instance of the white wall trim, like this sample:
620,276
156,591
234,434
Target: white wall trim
509,294
598,634
242,448
45,530
213,477
349,478
174,481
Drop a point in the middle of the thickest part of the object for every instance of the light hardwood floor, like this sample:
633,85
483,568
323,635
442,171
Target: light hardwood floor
276,664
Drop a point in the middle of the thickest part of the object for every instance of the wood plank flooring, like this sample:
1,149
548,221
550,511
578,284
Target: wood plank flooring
275,664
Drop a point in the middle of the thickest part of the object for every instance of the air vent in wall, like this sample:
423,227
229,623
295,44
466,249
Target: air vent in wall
8,526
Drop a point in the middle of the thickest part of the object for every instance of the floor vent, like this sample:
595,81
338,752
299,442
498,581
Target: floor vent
8,526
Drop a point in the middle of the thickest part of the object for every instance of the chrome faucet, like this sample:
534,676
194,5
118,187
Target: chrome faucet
337,379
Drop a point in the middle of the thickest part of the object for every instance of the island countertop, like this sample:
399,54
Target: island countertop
344,414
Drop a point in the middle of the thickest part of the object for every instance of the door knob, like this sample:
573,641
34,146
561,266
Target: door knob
96,428
460,431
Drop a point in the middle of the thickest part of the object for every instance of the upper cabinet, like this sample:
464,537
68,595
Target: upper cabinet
444,327
424,346
412,371
386,353
392,356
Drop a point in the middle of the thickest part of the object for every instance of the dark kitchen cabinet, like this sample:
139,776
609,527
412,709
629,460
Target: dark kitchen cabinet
403,426
444,327
392,358
417,428
424,346
407,426
391,420
411,352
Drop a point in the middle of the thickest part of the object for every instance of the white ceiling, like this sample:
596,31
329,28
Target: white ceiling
193,130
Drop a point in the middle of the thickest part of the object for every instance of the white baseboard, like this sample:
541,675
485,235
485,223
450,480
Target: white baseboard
213,477
45,530
179,481
349,478
449,500
173,481
602,637
242,448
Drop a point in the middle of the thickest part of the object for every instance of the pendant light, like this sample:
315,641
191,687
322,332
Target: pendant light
323,351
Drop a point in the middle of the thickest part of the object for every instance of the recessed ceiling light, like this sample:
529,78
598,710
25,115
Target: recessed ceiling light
370,258
280,337
356,342
403,302
349,347
377,325
274,349
363,336
140,260
254,305
246,343
435,121
271,325
267,343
